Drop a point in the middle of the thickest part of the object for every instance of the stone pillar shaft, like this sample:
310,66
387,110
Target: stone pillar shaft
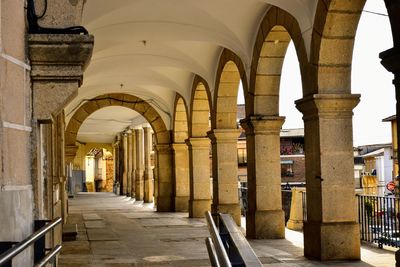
265,217
139,165
164,177
148,171
133,166
181,172
331,230
129,166
225,172
125,174
199,166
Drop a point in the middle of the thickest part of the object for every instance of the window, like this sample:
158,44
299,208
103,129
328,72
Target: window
287,168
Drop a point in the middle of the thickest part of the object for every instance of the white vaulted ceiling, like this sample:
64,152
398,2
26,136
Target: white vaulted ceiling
153,48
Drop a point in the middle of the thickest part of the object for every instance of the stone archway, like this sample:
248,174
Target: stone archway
181,155
199,149
162,134
265,217
327,113
224,134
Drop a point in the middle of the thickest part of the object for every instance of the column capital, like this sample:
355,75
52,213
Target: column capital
163,148
224,135
328,105
391,60
70,152
198,142
58,62
262,124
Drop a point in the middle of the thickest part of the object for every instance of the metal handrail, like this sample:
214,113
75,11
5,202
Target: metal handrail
222,256
49,256
14,251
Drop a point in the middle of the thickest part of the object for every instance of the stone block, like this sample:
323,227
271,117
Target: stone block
334,79
336,51
14,91
266,104
267,84
332,241
274,49
198,207
13,29
16,165
270,66
341,24
151,115
269,224
182,203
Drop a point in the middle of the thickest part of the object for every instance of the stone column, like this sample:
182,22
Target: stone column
155,175
265,217
129,167
225,172
164,177
331,231
133,166
181,173
139,165
200,185
125,174
116,165
148,171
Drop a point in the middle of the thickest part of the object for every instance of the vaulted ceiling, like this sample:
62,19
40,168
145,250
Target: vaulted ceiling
153,48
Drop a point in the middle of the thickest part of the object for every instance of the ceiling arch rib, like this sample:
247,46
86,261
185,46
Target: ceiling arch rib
161,105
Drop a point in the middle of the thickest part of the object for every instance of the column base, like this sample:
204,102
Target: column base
295,225
332,241
164,204
139,194
148,186
182,203
232,209
198,207
268,224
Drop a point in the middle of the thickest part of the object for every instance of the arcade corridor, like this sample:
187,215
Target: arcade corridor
114,231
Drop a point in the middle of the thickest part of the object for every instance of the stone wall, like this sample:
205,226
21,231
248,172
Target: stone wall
16,195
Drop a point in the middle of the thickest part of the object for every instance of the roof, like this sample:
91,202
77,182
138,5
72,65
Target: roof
391,118
375,153
299,132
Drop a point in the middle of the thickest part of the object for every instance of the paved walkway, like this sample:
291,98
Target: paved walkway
115,231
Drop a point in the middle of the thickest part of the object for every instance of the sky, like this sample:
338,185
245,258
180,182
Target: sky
369,78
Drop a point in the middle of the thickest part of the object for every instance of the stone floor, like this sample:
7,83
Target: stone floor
115,231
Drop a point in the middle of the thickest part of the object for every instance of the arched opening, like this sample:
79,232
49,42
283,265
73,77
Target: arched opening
136,147
199,150
374,84
181,156
265,138
227,147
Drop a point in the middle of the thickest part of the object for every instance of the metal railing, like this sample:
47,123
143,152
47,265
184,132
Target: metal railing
36,237
227,246
379,220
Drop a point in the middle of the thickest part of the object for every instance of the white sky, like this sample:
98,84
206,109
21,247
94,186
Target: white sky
369,78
